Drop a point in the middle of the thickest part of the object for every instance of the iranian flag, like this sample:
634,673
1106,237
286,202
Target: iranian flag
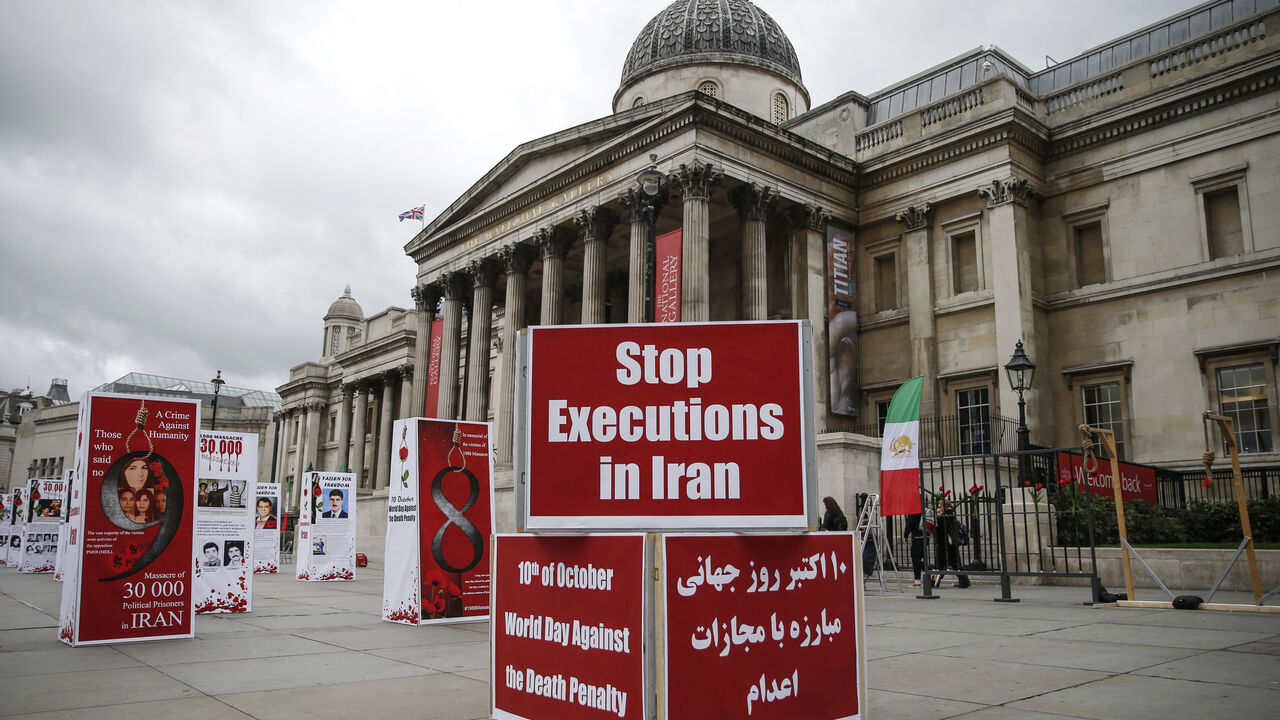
900,456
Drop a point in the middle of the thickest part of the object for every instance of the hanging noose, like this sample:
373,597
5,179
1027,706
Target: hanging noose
140,423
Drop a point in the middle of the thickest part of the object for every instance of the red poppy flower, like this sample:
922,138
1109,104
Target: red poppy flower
1206,481
162,483
1039,486
156,467
1065,481
440,605
315,491
404,453
435,578
35,495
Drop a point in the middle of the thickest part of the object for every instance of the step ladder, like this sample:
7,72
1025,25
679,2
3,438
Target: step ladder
870,529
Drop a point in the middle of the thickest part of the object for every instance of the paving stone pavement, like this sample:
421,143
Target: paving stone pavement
320,650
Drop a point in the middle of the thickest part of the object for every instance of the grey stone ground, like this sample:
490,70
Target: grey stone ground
319,650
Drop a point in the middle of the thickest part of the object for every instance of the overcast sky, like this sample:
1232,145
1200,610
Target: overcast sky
186,186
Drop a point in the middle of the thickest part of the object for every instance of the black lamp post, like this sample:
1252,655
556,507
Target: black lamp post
218,382
1021,372
650,180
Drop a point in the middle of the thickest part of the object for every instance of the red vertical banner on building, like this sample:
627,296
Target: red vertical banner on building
669,247
842,329
776,620
569,627
131,562
433,368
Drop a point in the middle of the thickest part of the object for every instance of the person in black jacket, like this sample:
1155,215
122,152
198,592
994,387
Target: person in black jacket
833,519
913,535
946,541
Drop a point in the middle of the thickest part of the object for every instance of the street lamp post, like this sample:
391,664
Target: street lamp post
1021,372
218,382
650,180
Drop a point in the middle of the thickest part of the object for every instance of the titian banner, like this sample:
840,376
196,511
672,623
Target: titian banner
1137,483
439,520
776,620
569,627
682,425
668,250
842,328
129,568
433,368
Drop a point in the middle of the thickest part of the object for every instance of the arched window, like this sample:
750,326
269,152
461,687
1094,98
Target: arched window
706,87
637,102
781,109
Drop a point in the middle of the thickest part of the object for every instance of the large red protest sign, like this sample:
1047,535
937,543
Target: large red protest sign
568,627
1137,483
130,570
693,425
775,619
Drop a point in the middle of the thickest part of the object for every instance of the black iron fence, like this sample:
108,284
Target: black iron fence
952,435
1179,489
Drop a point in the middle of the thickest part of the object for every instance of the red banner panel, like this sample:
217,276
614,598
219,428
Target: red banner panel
433,368
455,518
568,627
668,249
1137,483
774,619
666,426
132,557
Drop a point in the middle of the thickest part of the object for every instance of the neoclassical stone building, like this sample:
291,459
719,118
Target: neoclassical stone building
1116,213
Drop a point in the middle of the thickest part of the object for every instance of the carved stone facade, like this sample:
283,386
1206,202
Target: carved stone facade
1115,213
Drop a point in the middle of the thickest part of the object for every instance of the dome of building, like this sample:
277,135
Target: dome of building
345,307
695,31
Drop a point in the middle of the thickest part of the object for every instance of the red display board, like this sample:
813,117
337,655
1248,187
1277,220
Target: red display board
683,425
669,252
568,627
131,562
1137,483
776,620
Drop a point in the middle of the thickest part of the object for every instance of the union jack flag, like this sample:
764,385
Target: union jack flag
413,214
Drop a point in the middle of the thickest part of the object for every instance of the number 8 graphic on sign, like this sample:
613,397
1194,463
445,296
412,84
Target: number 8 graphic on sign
457,518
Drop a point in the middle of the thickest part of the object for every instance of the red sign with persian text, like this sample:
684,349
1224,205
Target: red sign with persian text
684,425
1137,483
132,554
774,619
568,627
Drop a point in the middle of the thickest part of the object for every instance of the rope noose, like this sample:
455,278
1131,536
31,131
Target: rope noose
1207,458
457,445
1086,448
140,422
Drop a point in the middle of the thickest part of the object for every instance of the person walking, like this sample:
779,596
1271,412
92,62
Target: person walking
913,535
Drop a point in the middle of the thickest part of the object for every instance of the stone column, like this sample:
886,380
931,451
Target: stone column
753,203
1011,258
455,286
554,244
299,445
282,447
516,259
696,181
385,418
633,201
915,256
344,429
314,413
596,225
808,225
425,299
484,273
404,409
357,451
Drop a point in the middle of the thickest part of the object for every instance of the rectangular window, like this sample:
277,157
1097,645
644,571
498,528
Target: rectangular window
333,426
1102,409
1222,222
973,412
1242,396
886,269
1090,265
964,262
882,413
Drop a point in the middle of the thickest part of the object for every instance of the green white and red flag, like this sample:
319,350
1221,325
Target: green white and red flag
900,455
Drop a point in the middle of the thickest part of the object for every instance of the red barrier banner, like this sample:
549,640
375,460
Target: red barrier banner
130,569
433,368
1137,483
686,425
568,627
776,620
668,249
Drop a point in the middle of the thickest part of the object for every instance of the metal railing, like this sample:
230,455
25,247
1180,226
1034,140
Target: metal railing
951,435
1179,489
